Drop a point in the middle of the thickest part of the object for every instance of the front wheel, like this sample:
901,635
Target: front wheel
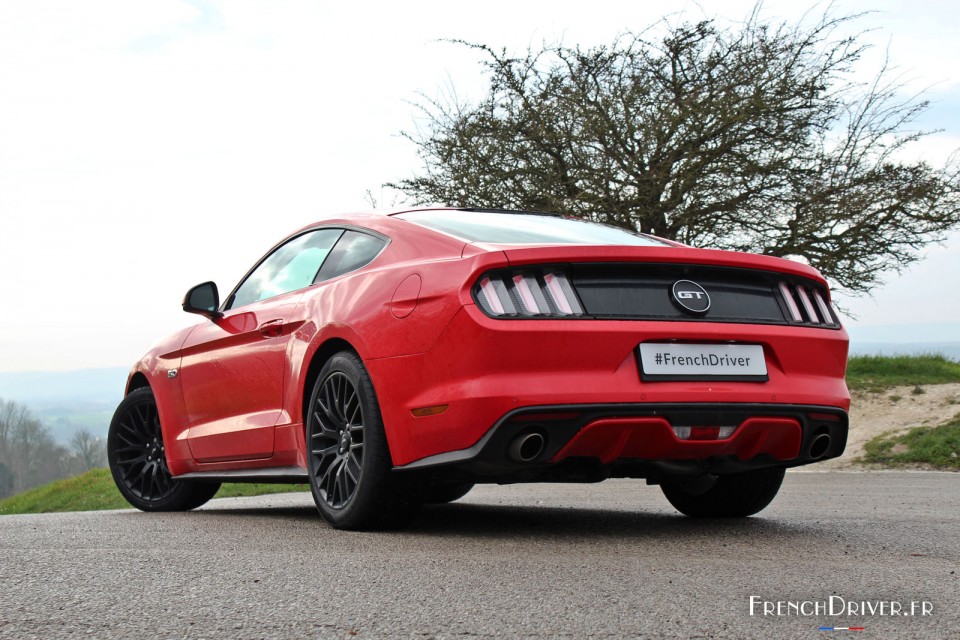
349,462
732,496
138,459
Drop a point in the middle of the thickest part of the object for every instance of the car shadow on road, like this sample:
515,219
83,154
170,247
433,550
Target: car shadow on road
479,520
483,521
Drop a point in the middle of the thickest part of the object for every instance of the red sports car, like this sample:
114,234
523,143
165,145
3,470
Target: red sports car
392,360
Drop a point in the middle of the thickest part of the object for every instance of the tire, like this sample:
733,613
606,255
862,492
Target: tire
444,493
138,461
348,459
732,496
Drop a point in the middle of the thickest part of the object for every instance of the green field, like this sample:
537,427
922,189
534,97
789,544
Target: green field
877,373
94,491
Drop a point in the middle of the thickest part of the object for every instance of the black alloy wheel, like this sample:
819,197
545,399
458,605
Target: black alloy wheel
337,442
349,461
138,459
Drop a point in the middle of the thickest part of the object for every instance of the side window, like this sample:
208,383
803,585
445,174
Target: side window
353,251
292,266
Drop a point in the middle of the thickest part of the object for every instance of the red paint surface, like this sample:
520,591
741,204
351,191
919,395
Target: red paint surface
238,399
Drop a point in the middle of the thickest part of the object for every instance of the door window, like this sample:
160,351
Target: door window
293,265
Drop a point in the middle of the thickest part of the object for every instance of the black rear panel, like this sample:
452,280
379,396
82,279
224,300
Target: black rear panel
644,291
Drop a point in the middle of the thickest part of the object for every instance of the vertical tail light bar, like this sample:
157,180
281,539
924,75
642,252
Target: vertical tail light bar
490,299
822,305
525,285
806,304
791,303
533,292
562,293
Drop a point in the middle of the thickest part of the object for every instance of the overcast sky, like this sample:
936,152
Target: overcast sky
148,145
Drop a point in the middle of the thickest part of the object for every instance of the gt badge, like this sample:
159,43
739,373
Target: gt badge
691,297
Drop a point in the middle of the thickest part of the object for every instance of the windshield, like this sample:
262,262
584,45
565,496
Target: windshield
498,227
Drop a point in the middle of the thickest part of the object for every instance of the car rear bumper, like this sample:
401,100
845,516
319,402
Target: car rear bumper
638,440
481,372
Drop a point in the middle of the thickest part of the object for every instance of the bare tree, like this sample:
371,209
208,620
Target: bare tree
89,451
27,450
6,481
749,138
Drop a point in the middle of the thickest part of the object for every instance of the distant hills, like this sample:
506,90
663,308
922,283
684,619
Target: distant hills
68,401
82,384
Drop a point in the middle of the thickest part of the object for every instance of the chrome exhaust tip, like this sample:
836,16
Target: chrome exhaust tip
819,446
526,447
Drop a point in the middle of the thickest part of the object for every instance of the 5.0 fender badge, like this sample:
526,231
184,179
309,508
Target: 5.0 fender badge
691,297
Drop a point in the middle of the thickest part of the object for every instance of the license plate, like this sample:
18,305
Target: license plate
675,361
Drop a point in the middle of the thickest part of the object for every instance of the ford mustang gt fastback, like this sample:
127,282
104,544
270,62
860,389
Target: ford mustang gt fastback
395,360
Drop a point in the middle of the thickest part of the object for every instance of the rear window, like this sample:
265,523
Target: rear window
353,250
525,228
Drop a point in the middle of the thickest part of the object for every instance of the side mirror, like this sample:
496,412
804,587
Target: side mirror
203,299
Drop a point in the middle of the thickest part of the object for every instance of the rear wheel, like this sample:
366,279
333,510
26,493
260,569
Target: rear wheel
732,496
443,493
349,461
138,459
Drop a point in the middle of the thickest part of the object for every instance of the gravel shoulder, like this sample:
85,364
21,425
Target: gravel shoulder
895,410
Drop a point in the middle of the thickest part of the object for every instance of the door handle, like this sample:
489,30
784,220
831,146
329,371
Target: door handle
271,328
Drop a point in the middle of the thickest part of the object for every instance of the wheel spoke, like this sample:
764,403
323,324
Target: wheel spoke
342,493
324,477
325,431
352,467
332,480
332,389
133,439
354,412
344,402
324,404
143,481
135,445
154,485
135,459
323,453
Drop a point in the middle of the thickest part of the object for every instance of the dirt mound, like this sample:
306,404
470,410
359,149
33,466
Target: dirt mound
896,409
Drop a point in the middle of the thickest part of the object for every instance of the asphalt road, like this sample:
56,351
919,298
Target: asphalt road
573,561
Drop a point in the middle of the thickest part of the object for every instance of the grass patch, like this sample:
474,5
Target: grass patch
241,489
877,373
935,446
95,491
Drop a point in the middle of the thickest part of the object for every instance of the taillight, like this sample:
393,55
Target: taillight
807,304
527,293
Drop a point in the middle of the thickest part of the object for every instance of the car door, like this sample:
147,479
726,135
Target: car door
233,368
